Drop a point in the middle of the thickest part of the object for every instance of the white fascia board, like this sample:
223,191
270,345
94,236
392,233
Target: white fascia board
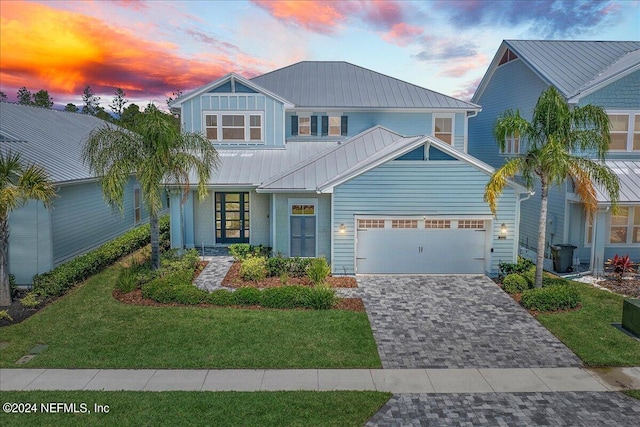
347,110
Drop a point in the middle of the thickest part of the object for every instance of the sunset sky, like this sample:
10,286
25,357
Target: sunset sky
152,48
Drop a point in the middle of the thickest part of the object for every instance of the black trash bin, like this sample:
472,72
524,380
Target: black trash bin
562,257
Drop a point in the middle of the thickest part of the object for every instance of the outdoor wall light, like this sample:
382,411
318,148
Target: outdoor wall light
343,229
503,231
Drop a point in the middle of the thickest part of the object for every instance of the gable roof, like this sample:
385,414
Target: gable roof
357,155
49,138
337,84
231,77
575,68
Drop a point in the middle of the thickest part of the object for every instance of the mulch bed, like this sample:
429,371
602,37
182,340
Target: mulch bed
625,287
233,280
136,298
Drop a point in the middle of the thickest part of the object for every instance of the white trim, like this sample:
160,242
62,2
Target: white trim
247,126
450,116
630,128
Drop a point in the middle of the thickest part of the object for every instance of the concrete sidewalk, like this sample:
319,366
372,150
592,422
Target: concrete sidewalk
391,380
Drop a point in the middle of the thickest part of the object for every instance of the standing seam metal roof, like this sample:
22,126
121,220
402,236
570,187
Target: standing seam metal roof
336,84
628,173
49,138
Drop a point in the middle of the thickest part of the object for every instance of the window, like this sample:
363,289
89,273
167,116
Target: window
471,223
507,57
437,223
234,127
635,233
303,209
624,131
589,237
371,223
137,211
304,126
619,226
512,144
443,129
404,223
334,126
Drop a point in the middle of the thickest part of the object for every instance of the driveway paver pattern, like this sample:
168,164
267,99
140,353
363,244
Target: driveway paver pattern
455,322
509,409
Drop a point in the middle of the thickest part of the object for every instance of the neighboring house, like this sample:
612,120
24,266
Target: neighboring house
601,73
335,160
79,220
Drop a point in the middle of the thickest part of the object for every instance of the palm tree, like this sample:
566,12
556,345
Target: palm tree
155,152
19,183
552,137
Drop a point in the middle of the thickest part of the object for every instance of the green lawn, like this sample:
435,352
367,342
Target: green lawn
88,328
588,331
633,393
303,408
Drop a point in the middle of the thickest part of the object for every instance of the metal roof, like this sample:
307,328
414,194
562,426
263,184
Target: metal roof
336,84
52,139
572,66
628,173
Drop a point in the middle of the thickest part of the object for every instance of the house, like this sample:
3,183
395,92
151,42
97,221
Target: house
335,160
79,219
603,73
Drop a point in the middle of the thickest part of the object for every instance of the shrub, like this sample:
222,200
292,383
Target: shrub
254,269
297,267
277,266
247,296
619,266
554,281
57,281
285,297
30,300
221,297
189,294
242,251
520,267
163,289
514,283
127,280
320,298
284,279
551,298
4,315
318,271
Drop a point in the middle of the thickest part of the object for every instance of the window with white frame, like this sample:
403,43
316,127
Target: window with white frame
304,125
443,128
234,127
624,131
589,233
512,144
625,225
335,125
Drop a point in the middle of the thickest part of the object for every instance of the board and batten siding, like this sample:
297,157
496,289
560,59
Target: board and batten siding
81,220
272,109
419,188
323,222
30,249
513,86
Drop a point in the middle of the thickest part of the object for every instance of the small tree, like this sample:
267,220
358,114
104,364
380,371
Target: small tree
555,133
3,97
19,183
42,99
90,100
24,96
72,108
155,152
129,116
119,101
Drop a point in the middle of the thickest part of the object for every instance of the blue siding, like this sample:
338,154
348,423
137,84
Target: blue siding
513,86
30,250
622,94
418,188
273,110
435,154
417,154
81,220
530,216
407,124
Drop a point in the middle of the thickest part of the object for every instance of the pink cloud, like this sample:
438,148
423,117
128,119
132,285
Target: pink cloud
317,16
466,92
462,66
402,34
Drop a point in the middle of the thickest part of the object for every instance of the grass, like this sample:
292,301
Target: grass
588,331
300,408
88,328
633,393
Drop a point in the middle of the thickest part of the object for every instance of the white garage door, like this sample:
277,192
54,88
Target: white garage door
421,246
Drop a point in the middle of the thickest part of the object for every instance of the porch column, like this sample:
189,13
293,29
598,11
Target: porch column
188,221
175,212
598,242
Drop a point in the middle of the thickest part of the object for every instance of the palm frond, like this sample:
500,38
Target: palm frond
498,181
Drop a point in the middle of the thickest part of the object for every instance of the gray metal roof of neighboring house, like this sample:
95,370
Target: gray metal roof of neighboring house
52,139
337,84
628,172
571,65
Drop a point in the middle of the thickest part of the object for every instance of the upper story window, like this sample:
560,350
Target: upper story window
334,126
511,144
308,125
304,125
235,127
624,131
443,128
625,225
507,57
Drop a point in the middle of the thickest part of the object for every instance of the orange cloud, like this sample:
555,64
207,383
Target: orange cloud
460,67
61,51
402,34
318,16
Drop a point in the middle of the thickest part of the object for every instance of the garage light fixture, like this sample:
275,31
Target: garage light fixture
343,229
503,231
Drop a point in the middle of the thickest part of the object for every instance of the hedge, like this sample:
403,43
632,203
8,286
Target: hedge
57,281
550,298
514,283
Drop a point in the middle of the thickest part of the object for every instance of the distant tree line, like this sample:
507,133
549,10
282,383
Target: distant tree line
123,116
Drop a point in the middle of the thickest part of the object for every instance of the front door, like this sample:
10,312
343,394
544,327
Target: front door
232,217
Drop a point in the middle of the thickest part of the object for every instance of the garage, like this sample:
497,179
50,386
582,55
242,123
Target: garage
421,245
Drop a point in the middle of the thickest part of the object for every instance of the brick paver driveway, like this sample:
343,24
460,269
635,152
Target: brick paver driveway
455,322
